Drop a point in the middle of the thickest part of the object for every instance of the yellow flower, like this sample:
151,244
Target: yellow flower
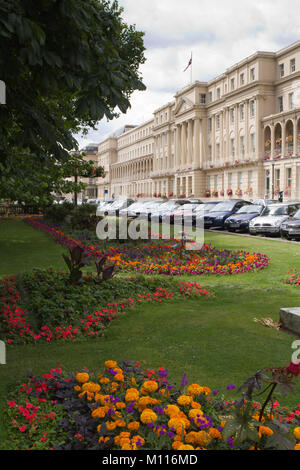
110,364
203,439
132,394
104,380
150,386
82,377
297,446
184,400
195,389
148,416
171,410
111,425
77,388
195,413
296,433
185,447
91,387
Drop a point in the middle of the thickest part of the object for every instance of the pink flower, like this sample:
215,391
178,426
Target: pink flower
12,403
22,428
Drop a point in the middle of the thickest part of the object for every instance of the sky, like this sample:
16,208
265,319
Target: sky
218,34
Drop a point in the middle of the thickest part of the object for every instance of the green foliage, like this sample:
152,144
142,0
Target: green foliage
50,300
58,212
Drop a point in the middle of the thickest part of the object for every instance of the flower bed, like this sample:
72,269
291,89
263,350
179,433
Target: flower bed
125,407
293,277
58,320
169,258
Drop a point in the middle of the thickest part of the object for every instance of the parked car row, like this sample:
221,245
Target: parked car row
265,217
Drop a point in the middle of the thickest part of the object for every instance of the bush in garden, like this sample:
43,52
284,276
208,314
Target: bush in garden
57,213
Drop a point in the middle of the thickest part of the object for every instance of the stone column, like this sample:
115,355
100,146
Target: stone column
189,143
295,137
283,136
272,137
183,145
196,154
246,103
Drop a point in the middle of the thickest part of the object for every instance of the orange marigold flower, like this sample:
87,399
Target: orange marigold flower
133,426
184,400
150,386
296,433
214,433
110,364
82,377
148,416
265,431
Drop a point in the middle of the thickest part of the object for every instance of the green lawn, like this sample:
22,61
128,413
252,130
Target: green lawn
215,341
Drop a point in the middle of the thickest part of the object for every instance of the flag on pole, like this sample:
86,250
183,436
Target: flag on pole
190,63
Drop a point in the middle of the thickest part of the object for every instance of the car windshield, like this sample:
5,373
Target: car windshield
187,207
276,210
223,207
251,209
206,207
297,214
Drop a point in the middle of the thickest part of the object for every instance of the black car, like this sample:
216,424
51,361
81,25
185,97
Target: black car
240,220
290,228
217,216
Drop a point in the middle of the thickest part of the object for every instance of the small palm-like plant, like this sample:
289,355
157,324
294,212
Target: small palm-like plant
104,272
75,262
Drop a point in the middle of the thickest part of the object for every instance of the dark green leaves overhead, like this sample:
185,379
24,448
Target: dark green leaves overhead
66,64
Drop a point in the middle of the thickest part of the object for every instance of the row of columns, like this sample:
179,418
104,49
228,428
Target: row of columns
283,137
132,170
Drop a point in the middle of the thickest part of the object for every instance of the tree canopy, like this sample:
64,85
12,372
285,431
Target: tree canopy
66,64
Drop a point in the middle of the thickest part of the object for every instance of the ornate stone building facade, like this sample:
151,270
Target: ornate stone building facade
234,136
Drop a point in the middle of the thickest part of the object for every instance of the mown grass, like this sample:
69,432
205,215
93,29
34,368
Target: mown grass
215,341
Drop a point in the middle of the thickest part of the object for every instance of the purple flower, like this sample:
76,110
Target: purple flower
230,387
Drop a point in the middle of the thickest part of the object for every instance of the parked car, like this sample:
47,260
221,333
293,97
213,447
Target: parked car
269,222
167,208
217,216
146,211
264,202
103,207
96,202
184,211
118,205
195,201
240,220
202,209
134,209
290,228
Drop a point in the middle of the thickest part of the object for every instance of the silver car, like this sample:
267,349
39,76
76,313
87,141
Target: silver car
273,215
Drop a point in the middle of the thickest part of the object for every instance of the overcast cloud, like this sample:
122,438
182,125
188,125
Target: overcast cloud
218,33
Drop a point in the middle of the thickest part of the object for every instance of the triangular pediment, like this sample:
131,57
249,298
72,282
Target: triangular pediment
183,104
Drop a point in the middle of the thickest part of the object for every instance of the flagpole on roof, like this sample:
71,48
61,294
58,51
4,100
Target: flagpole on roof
191,67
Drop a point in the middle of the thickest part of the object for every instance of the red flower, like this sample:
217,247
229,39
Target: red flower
294,368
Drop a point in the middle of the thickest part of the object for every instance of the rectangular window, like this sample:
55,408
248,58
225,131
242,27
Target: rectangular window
210,153
242,146
218,93
232,81
293,65
240,175
209,125
242,79
232,147
281,70
208,182
229,180
277,179
252,142
289,177
232,115
242,112
218,121
218,151
202,98
291,100
210,96
280,104
252,108
252,74
250,179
